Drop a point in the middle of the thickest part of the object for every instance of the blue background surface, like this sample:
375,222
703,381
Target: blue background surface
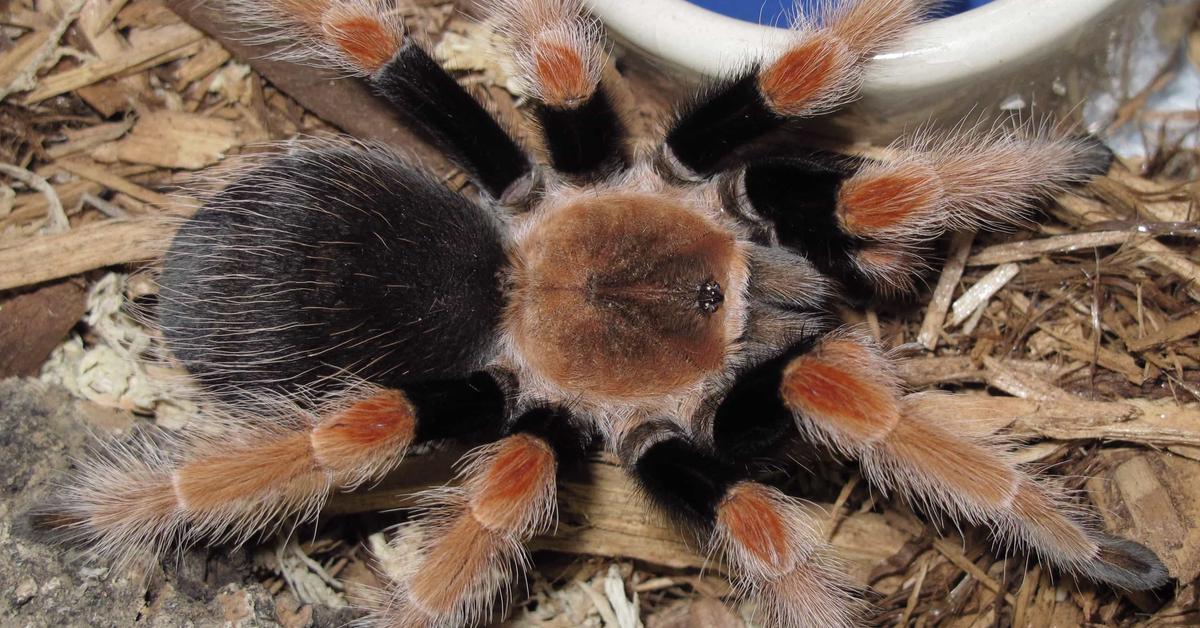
773,12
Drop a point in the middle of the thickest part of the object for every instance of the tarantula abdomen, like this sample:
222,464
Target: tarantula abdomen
302,268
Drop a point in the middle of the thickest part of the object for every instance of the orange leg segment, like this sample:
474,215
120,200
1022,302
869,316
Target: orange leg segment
773,547
846,394
241,482
966,180
468,547
824,68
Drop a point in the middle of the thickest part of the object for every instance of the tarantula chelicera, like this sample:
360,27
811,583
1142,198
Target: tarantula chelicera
337,305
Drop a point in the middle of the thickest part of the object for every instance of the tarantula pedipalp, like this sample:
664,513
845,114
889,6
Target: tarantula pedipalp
337,305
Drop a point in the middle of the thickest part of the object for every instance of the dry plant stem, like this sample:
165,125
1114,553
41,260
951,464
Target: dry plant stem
1092,212
1021,382
116,183
90,138
90,73
92,246
26,77
1032,249
915,595
1176,330
31,208
977,297
1137,420
955,555
935,316
110,13
56,216
934,371
1028,584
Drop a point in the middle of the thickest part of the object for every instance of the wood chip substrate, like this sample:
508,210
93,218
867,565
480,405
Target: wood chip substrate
1078,338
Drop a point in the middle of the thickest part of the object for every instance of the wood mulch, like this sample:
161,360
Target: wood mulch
1080,338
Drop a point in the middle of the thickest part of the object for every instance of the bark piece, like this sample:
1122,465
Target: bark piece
33,323
1155,499
107,243
346,103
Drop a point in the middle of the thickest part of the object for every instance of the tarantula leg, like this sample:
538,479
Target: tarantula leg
820,72
867,222
366,37
846,394
242,482
560,59
771,544
463,553
963,181
418,86
797,198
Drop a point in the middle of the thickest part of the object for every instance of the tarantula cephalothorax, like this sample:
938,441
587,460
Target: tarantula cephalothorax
336,305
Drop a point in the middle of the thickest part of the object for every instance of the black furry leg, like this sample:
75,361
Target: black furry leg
586,141
797,196
423,91
752,419
677,475
475,408
846,394
768,541
711,130
556,426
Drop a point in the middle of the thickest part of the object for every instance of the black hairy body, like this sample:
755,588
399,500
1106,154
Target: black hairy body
392,278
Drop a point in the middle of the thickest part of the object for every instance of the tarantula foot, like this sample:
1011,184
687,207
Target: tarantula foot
1126,565
1095,156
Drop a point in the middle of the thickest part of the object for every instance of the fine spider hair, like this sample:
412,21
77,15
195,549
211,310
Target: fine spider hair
557,48
335,305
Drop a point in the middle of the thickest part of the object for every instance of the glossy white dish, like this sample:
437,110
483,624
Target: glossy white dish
1006,56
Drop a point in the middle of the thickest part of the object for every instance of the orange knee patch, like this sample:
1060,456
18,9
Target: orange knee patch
377,428
283,467
836,387
510,488
753,524
887,201
562,74
805,75
890,269
511,492
369,43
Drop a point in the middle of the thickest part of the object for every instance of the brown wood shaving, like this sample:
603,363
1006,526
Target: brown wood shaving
1081,340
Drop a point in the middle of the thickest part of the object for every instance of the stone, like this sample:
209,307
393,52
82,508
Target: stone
42,430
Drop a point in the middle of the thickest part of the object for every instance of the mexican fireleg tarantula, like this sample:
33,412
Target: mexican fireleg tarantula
676,305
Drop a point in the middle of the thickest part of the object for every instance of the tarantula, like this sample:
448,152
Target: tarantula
337,305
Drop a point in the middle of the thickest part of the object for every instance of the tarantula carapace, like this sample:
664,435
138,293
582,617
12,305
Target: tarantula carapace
337,305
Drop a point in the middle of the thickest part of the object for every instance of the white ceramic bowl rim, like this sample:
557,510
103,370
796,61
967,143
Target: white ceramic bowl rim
977,42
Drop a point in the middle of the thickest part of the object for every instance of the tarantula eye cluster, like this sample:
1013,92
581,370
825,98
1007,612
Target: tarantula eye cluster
336,306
